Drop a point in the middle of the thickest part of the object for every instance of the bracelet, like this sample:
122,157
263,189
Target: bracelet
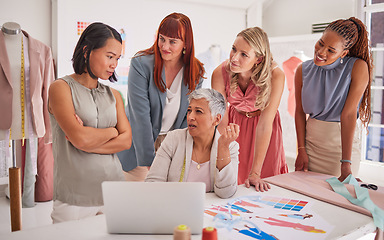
254,173
300,147
343,161
221,159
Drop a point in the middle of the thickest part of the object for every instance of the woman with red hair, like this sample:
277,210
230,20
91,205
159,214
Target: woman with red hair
160,79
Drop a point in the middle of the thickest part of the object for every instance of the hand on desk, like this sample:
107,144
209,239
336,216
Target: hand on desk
301,163
255,180
345,171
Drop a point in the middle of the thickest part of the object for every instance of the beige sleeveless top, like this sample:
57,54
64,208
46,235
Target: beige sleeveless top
77,174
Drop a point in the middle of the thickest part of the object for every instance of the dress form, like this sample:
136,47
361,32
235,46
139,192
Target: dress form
289,67
211,58
12,36
216,54
25,152
300,55
39,73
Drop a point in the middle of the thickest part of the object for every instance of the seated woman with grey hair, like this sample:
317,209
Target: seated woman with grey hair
199,153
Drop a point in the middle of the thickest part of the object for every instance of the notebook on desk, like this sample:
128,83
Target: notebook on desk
153,207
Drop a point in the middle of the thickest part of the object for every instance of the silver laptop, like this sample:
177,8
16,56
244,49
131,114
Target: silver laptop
153,207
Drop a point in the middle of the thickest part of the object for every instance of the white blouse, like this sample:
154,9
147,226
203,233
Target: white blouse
172,103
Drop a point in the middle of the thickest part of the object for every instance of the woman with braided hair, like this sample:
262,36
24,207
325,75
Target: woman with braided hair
333,89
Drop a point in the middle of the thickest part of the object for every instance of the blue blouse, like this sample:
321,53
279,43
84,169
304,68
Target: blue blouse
325,88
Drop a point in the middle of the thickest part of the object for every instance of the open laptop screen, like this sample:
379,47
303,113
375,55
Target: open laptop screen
153,207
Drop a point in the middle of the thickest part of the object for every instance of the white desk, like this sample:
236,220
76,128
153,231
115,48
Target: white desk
349,224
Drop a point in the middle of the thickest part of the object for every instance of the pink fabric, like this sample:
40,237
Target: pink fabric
314,185
44,178
379,234
289,68
274,162
41,76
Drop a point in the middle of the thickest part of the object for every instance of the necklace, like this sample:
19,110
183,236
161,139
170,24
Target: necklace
194,151
198,163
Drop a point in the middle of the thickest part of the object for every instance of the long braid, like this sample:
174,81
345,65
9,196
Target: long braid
356,39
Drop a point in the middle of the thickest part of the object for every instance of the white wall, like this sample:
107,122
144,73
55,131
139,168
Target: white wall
141,19
34,16
211,24
295,17
282,49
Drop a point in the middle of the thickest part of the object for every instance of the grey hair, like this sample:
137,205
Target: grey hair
216,101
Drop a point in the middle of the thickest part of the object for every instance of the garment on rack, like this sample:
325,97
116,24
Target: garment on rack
44,177
28,152
289,67
39,74
211,59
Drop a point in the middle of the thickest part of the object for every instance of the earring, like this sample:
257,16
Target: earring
341,61
184,51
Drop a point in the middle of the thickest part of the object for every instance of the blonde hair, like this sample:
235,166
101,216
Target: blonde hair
262,72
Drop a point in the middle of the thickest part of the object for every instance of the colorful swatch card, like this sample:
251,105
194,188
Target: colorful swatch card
283,203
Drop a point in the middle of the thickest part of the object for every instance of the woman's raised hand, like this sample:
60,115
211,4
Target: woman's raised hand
230,133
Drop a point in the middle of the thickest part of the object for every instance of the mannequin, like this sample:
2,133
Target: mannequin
24,122
13,38
300,55
211,59
215,51
21,129
289,67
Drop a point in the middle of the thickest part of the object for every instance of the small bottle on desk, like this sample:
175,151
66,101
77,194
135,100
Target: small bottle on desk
209,233
182,232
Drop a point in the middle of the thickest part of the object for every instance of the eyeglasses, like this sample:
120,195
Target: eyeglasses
369,186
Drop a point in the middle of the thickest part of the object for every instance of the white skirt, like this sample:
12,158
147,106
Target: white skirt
323,146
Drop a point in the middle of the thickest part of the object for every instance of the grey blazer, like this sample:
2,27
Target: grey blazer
177,146
144,110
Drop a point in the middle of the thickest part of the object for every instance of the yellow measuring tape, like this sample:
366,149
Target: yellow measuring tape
182,171
22,91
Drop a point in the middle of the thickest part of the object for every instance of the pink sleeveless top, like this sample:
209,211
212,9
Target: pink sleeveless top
239,100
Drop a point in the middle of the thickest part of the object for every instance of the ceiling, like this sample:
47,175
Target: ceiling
239,4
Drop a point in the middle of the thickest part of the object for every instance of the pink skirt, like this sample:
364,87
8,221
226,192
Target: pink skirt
274,162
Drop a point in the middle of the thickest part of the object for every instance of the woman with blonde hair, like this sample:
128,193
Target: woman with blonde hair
253,84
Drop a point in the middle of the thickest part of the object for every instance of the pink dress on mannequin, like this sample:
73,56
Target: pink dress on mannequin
274,162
